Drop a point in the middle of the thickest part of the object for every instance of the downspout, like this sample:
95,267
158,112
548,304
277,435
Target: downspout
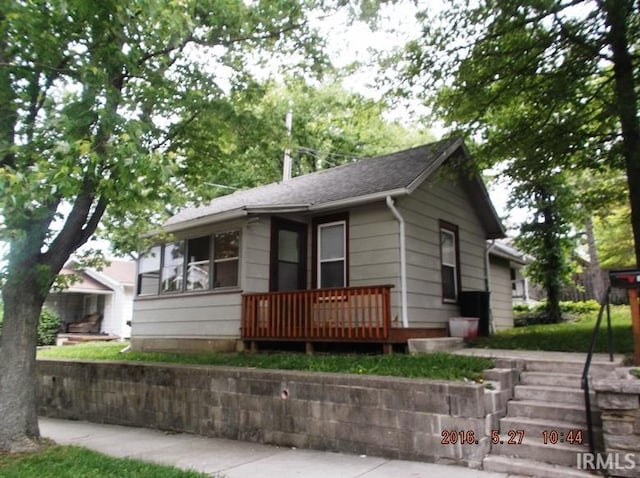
403,262
487,283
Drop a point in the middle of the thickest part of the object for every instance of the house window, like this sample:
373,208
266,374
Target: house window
226,259
449,262
198,263
332,258
173,267
289,263
149,272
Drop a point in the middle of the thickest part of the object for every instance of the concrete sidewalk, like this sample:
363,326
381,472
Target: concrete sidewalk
237,459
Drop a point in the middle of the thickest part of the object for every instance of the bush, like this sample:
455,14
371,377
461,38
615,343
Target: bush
579,308
526,315
48,326
519,308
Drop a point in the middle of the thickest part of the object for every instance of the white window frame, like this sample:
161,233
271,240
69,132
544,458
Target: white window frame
454,236
343,223
154,253
212,263
215,261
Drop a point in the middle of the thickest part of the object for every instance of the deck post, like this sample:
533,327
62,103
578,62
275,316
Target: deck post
308,348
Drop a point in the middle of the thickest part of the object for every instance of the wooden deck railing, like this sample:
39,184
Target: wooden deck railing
348,314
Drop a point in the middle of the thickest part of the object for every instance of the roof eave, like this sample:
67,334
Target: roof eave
358,200
282,209
203,220
103,278
234,214
510,257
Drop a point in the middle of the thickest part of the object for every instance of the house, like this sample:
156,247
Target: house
108,293
378,250
508,285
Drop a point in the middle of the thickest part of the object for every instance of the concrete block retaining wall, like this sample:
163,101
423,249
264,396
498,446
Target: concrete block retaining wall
382,416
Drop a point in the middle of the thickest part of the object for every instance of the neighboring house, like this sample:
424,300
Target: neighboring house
508,285
108,292
378,250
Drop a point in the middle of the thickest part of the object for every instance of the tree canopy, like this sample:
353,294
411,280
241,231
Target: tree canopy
91,96
547,86
550,89
243,137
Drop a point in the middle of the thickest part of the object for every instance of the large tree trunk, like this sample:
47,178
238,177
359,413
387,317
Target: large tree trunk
554,261
594,271
618,13
23,299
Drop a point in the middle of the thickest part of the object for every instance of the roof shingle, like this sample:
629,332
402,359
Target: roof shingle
362,178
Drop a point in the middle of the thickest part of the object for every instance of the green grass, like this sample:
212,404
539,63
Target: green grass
573,336
73,462
437,366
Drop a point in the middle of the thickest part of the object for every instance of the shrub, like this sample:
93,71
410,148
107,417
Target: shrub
48,327
518,308
526,315
579,308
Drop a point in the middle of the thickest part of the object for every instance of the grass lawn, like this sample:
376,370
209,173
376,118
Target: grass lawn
573,336
437,366
73,462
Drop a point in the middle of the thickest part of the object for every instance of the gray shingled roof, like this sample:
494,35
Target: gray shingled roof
361,178
391,174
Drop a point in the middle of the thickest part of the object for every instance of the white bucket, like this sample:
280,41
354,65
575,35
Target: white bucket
466,327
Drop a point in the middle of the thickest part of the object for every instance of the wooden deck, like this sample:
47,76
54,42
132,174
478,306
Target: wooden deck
346,315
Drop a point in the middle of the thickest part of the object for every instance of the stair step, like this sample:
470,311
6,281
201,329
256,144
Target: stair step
533,448
551,429
521,466
571,367
568,412
550,394
556,379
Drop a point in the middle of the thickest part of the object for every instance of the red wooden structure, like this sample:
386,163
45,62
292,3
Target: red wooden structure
352,314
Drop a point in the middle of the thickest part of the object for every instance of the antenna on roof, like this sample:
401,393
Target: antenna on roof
286,166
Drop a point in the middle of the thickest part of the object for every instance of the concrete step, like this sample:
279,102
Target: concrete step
569,366
568,412
533,448
551,429
524,467
440,344
550,394
548,379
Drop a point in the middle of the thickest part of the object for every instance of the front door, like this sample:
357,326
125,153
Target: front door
288,255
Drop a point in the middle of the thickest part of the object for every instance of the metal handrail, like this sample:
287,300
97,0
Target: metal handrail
587,365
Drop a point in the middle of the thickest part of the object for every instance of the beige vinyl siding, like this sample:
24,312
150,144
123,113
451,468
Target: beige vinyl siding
374,250
202,315
254,263
213,314
439,198
501,300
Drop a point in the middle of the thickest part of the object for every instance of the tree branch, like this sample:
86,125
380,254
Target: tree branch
69,236
93,222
